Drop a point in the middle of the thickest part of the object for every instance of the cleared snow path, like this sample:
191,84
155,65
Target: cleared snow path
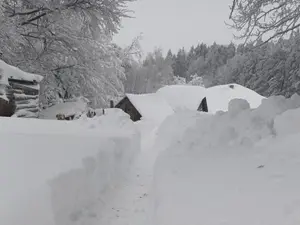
129,202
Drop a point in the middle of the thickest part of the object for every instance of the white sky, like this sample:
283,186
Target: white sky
176,23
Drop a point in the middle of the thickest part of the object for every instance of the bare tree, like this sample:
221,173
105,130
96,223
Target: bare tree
264,20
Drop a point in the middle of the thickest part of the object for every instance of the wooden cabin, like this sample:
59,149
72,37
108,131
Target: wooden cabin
21,92
127,106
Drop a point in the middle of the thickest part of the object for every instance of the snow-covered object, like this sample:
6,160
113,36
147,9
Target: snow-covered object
182,97
236,167
57,172
188,97
151,106
77,107
218,97
12,72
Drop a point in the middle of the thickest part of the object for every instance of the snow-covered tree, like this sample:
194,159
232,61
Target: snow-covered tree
196,81
179,80
264,19
68,42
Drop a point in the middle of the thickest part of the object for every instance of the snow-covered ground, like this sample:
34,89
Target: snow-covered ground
55,172
230,168
239,167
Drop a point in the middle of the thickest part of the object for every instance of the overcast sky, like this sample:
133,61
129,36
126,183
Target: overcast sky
176,23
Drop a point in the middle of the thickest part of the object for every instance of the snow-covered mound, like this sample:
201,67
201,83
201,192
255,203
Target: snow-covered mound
236,167
218,97
182,97
55,172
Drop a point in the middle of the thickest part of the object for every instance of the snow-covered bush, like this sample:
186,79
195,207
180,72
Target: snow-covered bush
196,80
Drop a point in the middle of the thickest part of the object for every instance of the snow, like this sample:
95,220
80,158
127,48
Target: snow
56,172
15,73
218,97
236,167
188,97
151,106
65,108
182,97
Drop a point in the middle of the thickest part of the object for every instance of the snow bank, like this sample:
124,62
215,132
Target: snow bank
53,172
236,167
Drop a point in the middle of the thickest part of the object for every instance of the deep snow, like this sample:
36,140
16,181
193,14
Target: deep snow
230,168
233,168
55,172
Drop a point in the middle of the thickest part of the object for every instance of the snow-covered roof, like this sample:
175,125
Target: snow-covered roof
151,106
182,97
15,73
218,97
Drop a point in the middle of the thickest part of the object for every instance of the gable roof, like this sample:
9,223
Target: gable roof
150,106
183,97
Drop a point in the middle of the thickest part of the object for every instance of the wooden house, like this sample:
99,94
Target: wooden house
21,91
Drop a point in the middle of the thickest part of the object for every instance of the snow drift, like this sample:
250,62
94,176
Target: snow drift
53,172
236,167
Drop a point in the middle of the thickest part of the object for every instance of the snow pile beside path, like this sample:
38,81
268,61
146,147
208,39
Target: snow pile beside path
54,172
239,167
